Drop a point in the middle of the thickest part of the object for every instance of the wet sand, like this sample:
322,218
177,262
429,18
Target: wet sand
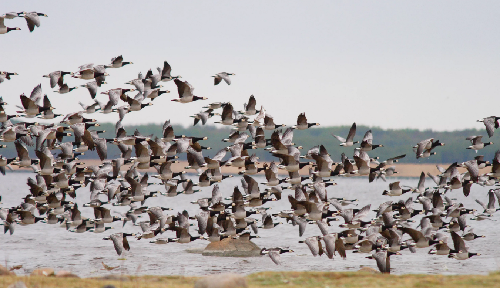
404,170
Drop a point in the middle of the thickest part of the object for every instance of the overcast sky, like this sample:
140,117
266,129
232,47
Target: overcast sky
393,64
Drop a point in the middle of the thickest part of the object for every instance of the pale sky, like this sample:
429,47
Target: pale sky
392,64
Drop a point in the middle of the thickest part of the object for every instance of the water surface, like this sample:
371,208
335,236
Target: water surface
43,245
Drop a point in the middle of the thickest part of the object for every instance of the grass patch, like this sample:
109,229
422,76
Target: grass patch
272,279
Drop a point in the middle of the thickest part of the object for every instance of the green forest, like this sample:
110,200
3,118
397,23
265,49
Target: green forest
395,141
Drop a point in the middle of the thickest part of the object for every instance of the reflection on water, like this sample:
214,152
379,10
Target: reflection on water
43,245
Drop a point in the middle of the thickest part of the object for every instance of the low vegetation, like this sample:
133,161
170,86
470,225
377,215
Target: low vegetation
273,279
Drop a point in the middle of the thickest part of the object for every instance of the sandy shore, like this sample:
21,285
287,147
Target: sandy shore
404,170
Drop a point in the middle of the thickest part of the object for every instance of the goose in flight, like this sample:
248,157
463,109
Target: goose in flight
6,75
274,253
347,142
4,29
63,87
119,241
56,77
491,123
383,260
477,143
222,76
366,144
89,72
166,73
185,91
249,107
302,122
32,19
117,62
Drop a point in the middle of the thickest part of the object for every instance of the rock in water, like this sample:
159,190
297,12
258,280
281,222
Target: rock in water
232,248
222,281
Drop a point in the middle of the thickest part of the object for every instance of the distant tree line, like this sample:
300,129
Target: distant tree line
395,141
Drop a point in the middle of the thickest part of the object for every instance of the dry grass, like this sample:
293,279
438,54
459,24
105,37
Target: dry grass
363,279
125,282
274,279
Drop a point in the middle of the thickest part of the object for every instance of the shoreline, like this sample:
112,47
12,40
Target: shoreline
403,170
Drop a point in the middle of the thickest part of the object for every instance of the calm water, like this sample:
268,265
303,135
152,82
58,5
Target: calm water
43,245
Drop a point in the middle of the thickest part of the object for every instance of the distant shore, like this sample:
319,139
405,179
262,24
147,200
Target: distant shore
404,170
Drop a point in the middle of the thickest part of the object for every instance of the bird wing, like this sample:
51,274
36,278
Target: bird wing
302,225
362,212
458,242
329,245
251,103
421,182
482,204
117,60
126,246
225,77
165,72
383,207
339,138
421,147
118,242
275,256
414,234
347,214
489,123
102,148
473,169
32,20
114,96
491,200
54,78
36,94
368,138
352,132
339,247
312,243
381,258
323,227
301,119
434,178
217,79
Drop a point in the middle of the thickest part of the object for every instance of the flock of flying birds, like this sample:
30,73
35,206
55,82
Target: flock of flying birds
60,176
32,19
